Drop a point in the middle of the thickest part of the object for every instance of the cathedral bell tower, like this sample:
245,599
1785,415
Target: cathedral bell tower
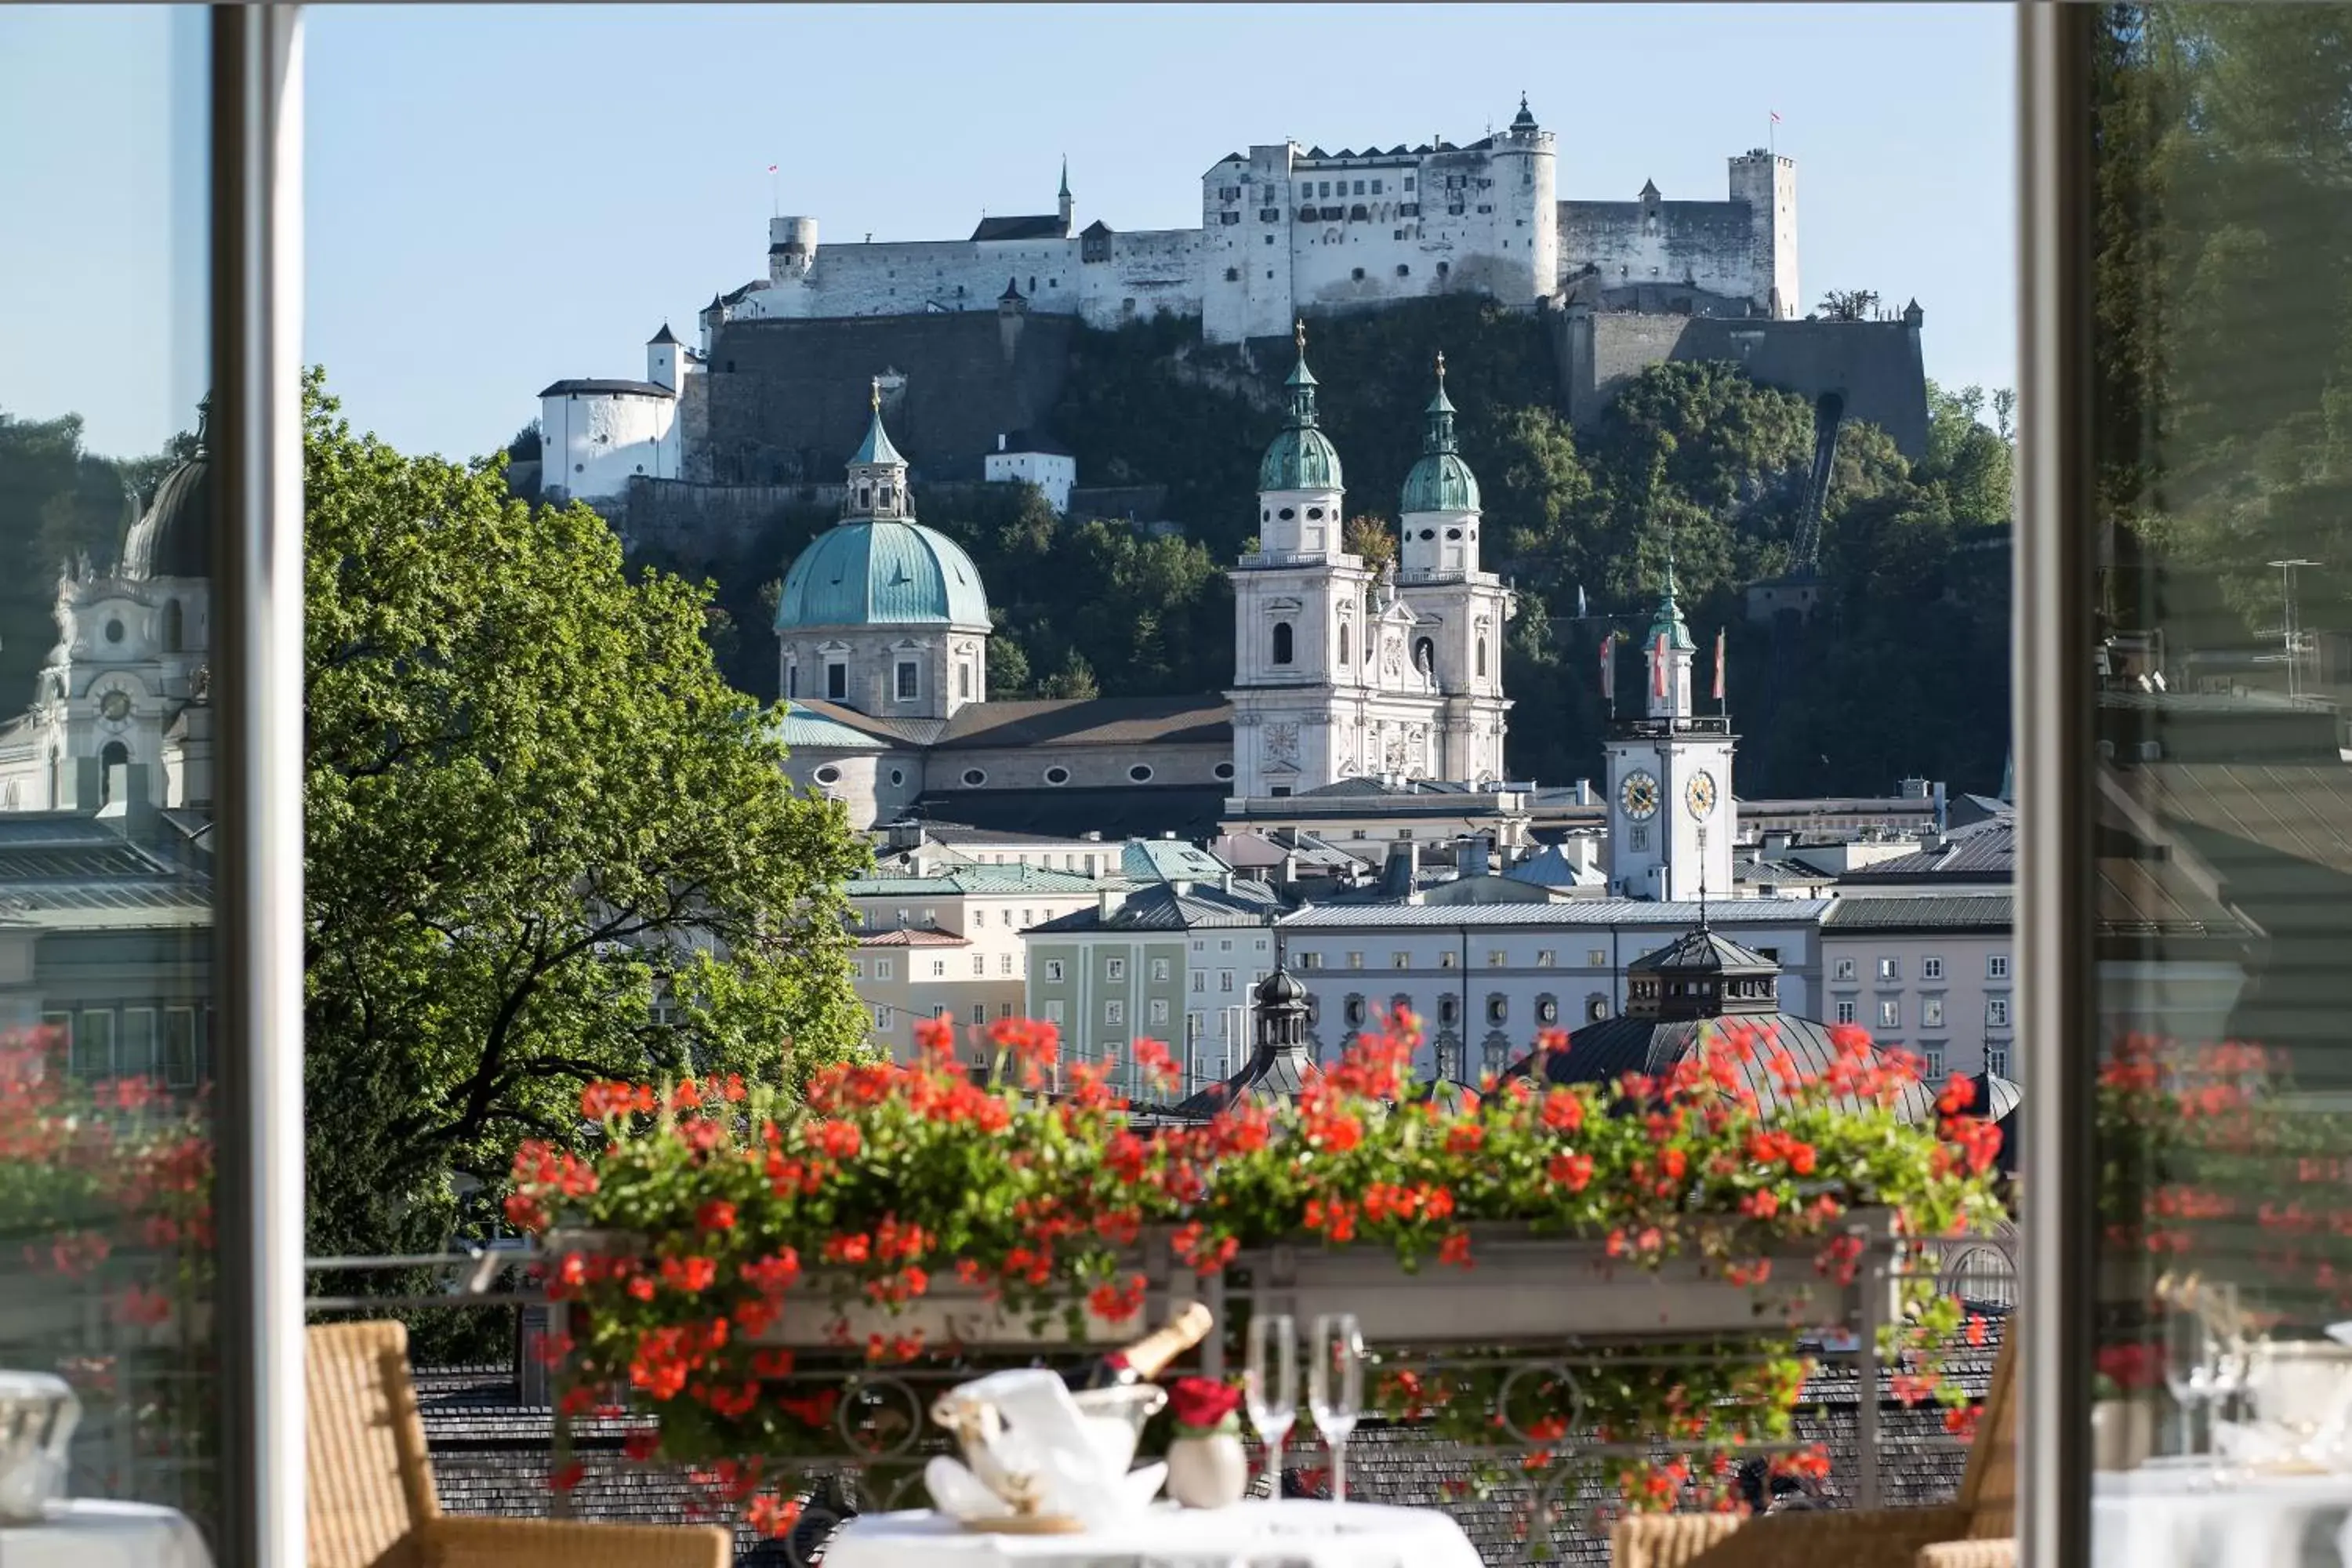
1328,684
1672,820
1459,611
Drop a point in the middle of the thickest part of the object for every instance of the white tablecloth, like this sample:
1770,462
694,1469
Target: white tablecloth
1292,1533
88,1532
2163,1516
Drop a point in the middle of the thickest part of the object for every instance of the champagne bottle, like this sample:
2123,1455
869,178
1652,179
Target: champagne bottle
1143,1360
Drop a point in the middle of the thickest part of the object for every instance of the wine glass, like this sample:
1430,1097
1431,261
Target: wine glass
2227,1359
2188,1367
1270,1386
1335,1389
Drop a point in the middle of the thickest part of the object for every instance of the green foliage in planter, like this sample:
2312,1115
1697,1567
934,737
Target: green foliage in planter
746,1208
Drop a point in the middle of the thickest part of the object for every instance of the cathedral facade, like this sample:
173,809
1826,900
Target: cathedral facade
122,701
1343,670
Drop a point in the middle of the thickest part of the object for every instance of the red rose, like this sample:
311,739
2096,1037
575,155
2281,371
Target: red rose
1203,1405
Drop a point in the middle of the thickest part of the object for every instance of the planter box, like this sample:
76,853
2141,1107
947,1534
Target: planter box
1521,1289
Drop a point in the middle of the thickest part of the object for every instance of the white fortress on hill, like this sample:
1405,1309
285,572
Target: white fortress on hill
1287,232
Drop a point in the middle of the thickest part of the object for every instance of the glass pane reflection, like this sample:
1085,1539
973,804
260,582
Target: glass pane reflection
106,733
2224,1089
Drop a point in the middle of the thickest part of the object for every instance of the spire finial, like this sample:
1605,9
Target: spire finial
1298,336
877,397
1441,367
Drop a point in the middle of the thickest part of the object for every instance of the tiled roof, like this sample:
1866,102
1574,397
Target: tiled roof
1161,908
973,879
913,936
903,731
1550,867
1577,912
1974,911
1706,951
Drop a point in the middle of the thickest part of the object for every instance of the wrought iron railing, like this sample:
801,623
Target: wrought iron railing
497,1432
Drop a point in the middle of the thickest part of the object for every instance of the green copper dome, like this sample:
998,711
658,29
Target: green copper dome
1441,481
1301,458
876,572
1668,622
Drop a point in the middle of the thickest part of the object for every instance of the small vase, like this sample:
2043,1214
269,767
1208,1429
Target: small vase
2123,1433
1208,1471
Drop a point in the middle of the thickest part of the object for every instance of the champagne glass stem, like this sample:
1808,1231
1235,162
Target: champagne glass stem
1339,1467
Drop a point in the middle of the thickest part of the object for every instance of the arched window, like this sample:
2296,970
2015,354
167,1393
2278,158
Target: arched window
1282,642
1343,645
116,756
175,628
1482,656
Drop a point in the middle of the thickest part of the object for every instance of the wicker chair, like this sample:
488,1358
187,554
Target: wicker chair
1978,1530
371,1500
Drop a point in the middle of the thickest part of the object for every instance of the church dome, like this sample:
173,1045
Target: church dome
1439,480
175,538
1301,458
877,571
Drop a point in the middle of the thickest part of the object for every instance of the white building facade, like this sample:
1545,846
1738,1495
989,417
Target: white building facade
1483,979
596,434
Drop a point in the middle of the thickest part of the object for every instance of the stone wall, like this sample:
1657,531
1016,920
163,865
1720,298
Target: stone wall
1873,365
789,401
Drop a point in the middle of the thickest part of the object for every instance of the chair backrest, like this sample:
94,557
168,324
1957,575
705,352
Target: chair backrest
1988,1487
370,1485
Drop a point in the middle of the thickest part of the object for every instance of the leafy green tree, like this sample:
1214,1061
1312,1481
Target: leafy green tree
1373,537
532,807
1849,305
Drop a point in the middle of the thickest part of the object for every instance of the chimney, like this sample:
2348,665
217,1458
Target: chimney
1225,882
1109,902
1477,857
1000,440
1584,791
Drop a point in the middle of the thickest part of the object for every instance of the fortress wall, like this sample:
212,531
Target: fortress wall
1711,244
1150,272
1874,365
905,277
790,400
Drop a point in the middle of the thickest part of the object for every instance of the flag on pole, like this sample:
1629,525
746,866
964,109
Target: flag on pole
1658,668
1719,664
1609,667
771,168
1776,117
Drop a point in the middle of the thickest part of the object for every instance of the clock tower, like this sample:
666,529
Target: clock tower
1672,820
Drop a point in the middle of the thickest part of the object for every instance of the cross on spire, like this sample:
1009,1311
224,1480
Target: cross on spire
878,394
1441,367
1298,335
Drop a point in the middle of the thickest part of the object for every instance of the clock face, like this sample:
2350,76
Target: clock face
1699,796
1639,795
115,705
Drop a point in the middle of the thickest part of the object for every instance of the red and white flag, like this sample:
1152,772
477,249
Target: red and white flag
1609,667
1776,117
1719,664
1658,668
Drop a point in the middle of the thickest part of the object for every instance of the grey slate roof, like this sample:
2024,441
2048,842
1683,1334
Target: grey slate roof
1160,907
597,385
1983,852
1036,226
1971,911
1077,721
1605,1051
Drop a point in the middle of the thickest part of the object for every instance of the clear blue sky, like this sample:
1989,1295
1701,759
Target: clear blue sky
502,196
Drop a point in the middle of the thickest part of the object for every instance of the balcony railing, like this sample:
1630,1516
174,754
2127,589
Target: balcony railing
1532,1318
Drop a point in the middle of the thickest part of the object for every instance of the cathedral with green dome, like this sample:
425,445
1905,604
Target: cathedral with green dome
1345,674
